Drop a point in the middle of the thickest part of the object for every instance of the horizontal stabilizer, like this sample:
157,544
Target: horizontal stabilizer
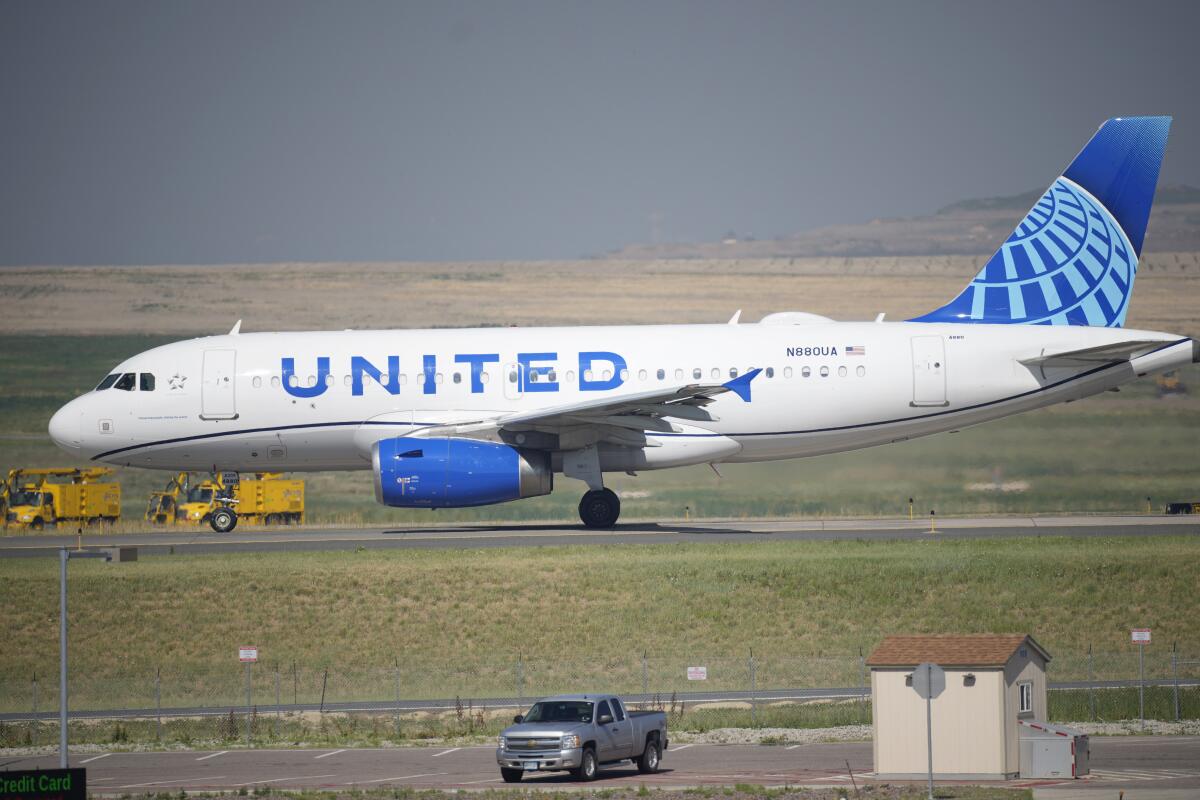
1121,351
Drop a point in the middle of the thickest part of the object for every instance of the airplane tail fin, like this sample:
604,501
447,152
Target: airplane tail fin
1073,258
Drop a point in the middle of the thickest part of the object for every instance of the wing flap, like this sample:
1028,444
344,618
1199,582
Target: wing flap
1121,351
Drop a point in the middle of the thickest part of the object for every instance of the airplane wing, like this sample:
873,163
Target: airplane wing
623,419
1122,351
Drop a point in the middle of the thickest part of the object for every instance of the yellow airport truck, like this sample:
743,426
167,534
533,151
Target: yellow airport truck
35,500
265,499
160,509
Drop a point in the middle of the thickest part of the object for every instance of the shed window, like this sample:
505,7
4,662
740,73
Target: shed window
1025,696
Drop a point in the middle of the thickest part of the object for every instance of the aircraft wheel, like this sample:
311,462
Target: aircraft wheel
223,520
600,508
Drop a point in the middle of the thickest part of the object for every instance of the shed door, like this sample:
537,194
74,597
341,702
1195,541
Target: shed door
217,385
929,371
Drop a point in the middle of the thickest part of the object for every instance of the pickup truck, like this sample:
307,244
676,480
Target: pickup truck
579,733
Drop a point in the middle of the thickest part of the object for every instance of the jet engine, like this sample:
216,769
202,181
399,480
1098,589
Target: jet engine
454,473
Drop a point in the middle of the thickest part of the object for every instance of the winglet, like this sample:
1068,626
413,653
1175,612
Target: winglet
741,384
736,316
237,328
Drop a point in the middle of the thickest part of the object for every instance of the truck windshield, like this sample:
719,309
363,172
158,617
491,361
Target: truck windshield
560,711
25,499
200,495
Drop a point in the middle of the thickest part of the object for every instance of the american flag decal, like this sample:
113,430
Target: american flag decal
855,350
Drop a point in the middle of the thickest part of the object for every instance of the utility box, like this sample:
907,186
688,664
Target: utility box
1052,751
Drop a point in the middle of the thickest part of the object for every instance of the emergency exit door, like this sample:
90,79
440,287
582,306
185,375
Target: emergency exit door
217,385
929,371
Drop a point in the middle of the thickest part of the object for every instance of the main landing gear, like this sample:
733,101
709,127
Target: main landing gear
600,508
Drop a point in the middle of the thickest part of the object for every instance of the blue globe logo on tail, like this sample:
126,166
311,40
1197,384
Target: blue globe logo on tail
1073,258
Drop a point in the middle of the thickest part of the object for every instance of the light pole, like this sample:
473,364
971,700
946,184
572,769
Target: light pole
63,555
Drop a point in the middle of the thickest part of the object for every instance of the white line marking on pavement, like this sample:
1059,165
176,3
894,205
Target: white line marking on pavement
682,747
212,755
327,755
97,780
290,778
164,783
446,752
398,778
95,758
793,747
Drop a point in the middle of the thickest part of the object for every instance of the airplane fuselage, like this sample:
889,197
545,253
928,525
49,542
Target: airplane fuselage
319,400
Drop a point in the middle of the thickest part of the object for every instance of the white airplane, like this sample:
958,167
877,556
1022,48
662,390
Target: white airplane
470,417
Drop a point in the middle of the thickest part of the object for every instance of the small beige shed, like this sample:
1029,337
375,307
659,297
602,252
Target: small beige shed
992,681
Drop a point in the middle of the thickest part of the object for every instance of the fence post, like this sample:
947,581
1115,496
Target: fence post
158,700
1175,675
37,723
295,685
1091,683
645,678
278,706
397,698
324,682
753,694
862,678
520,680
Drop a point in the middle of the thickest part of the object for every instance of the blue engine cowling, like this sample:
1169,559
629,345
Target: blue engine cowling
454,473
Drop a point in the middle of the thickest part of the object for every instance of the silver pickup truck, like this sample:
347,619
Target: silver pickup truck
579,733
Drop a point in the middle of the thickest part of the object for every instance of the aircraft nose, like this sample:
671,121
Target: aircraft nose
65,428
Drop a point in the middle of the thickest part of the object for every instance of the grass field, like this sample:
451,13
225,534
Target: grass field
1054,457
458,622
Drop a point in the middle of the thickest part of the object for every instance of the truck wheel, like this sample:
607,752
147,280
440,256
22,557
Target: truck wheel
587,766
272,519
510,775
37,524
647,762
223,520
600,508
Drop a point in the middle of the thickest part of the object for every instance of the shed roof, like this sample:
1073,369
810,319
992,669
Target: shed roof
952,650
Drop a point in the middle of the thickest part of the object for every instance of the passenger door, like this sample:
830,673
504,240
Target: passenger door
217,385
622,732
929,371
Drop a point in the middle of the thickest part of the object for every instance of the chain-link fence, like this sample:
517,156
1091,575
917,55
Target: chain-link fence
269,701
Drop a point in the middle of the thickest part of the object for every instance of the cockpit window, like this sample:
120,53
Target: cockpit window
126,382
147,382
107,382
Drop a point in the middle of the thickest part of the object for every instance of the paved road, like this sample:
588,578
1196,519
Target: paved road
203,540
1117,763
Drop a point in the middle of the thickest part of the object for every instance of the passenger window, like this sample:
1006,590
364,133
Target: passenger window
806,372
624,374
620,712
404,379
841,372
861,371
697,373
108,381
275,381
733,372
257,382
347,380
126,382
641,374
662,374
770,372
602,709
146,382
824,372
458,377
678,374
787,372
570,376
716,373
552,376
512,376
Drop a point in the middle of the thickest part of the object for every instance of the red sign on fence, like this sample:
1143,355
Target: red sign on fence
1140,635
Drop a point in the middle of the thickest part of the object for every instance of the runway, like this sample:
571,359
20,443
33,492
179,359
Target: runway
204,540
1167,762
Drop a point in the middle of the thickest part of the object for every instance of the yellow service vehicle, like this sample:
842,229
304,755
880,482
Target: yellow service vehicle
222,500
161,507
35,501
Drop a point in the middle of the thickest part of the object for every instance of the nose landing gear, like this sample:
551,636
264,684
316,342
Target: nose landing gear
600,508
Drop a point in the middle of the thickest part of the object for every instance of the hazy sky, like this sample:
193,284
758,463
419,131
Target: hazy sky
195,132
